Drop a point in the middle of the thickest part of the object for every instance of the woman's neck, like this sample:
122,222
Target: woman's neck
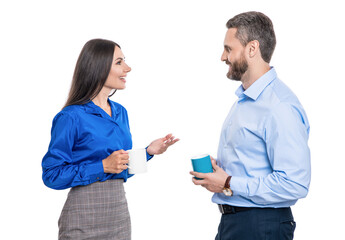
101,100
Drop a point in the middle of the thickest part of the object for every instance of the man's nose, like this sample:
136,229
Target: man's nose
224,56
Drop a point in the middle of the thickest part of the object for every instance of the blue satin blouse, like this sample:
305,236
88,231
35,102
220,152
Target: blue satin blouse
81,137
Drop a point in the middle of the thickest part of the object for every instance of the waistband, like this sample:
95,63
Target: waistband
227,209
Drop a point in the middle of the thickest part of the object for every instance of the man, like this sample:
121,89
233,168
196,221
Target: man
263,164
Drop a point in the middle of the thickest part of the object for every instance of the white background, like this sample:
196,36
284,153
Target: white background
178,84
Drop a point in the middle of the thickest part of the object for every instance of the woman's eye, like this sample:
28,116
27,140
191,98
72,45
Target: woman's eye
118,63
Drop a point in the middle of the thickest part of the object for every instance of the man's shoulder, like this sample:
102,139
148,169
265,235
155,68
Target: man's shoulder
282,93
286,103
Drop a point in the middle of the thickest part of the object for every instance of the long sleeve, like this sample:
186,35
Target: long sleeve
59,169
286,135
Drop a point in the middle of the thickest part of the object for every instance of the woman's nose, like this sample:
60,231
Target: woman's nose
128,68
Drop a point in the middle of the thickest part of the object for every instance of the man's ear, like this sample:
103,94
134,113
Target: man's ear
253,48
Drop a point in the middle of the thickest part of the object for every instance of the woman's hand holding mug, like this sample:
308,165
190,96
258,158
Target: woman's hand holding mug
116,162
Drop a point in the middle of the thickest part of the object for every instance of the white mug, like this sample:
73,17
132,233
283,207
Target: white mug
137,161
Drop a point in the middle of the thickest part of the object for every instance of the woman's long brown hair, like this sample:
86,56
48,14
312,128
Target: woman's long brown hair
91,71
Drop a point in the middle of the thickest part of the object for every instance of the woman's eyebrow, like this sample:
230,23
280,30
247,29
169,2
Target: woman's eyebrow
120,58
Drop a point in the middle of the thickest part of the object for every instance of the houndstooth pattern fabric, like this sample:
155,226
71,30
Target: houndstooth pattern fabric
96,211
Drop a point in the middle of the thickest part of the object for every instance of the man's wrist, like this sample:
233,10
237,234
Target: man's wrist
227,182
227,190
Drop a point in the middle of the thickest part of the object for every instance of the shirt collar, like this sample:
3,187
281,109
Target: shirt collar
258,86
92,108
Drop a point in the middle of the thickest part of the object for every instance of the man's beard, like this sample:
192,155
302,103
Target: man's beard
237,69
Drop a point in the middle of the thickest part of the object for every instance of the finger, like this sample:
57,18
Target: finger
175,141
198,175
123,166
124,156
167,136
172,138
198,182
169,140
121,151
166,140
214,164
124,161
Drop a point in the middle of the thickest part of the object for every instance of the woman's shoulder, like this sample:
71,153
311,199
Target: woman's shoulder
72,110
69,112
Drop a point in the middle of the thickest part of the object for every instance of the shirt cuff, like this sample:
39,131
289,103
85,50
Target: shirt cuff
95,171
238,186
148,156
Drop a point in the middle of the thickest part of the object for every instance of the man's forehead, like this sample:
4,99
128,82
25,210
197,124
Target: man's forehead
231,33
230,36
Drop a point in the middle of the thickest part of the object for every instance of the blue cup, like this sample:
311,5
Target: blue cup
202,164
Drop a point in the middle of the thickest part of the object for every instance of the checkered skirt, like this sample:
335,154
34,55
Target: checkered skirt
96,211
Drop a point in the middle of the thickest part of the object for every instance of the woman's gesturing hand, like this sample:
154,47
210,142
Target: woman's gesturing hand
116,162
160,145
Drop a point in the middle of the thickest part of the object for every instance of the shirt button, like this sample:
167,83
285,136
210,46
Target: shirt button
97,178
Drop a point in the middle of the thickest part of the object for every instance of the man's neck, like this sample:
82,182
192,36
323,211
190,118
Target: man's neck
254,74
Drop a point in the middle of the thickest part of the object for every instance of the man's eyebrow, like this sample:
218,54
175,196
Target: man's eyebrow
227,47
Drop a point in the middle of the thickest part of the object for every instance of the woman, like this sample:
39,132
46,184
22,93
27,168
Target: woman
87,149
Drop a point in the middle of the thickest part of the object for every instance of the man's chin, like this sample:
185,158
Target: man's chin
231,77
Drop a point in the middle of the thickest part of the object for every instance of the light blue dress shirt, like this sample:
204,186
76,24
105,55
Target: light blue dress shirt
264,146
81,137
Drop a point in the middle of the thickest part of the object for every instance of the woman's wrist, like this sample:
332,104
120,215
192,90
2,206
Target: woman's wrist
149,151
